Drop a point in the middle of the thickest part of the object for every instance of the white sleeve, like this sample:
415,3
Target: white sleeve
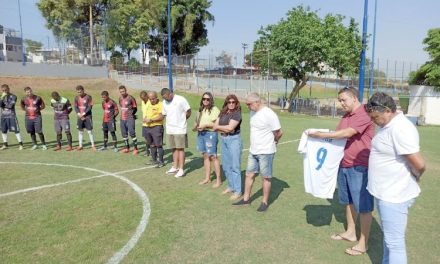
406,140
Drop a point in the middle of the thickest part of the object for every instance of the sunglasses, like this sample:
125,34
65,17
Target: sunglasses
232,102
375,106
206,99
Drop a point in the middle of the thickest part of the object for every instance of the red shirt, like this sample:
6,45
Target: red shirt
111,110
128,107
357,148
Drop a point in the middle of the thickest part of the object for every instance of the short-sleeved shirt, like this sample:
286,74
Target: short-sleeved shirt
175,112
357,148
61,108
389,175
209,117
128,107
83,105
226,117
151,111
7,105
263,123
110,109
32,106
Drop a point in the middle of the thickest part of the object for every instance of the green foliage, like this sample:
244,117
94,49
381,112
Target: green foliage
133,64
188,31
429,73
116,59
303,43
32,46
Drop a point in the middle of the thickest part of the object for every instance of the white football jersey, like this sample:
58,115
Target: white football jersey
321,163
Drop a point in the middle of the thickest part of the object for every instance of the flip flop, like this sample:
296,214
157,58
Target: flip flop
338,237
354,252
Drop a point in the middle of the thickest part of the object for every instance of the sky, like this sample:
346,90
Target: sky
400,29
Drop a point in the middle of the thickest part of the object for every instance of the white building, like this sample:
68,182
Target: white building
10,45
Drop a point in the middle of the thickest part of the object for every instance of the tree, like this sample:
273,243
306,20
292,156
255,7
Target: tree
429,73
224,60
32,46
303,43
70,19
188,30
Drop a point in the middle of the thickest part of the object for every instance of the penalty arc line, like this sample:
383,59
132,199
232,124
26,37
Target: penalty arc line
146,209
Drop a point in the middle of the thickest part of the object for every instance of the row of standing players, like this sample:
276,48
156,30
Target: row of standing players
174,110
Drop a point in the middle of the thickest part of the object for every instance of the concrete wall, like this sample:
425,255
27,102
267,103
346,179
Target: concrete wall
52,70
424,103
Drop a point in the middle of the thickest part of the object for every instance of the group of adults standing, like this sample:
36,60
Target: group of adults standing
382,168
265,132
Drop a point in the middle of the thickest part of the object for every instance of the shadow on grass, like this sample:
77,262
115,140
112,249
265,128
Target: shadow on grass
321,215
275,191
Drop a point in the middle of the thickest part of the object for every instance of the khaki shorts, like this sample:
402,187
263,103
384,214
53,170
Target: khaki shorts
179,141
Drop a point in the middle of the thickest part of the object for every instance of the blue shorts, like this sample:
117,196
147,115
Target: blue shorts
352,188
207,142
260,163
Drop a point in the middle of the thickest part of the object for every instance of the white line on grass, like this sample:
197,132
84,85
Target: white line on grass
146,209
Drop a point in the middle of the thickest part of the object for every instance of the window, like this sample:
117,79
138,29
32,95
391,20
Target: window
9,47
1,46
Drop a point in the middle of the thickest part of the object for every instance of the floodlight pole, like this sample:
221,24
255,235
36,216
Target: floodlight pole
364,47
373,51
21,31
170,68
244,45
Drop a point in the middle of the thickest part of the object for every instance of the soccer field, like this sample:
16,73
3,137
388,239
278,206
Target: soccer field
105,207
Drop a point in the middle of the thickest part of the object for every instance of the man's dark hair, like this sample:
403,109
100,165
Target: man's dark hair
79,88
27,88
105,93
165,91
380,102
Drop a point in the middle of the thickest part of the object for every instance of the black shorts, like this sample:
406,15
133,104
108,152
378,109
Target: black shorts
109,126
87,123
153,135
10,124
34,125
128,128
61,124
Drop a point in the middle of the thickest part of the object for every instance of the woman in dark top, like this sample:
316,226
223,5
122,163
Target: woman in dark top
228,124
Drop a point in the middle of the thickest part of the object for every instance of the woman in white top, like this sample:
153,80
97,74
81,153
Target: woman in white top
395,168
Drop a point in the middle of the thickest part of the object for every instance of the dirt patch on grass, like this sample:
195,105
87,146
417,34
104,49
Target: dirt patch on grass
59,84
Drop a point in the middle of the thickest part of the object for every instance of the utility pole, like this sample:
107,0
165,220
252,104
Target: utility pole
91,34
244,45
22,40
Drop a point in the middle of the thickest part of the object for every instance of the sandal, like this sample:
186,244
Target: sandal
339,237
354,252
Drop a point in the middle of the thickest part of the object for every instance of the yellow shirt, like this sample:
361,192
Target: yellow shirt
151,112
209,118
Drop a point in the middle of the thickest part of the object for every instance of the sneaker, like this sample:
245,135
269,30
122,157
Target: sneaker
172,170
102,148
115,150
79,148
69,148
44,147
125,150
19,147
34,147
93,148
235,196
159,165
57,148
179,174
242,202
135,152
4,147
263,207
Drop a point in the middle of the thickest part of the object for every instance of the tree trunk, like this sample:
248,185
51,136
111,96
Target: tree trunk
299,84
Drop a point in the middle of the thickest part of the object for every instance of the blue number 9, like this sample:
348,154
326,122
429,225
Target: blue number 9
320,157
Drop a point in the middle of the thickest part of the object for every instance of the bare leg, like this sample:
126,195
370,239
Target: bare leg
207,165
216,163
267,183
250,178
181,158
175,158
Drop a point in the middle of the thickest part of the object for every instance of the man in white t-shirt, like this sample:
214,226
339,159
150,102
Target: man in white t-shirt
176,109
395,166
265,134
